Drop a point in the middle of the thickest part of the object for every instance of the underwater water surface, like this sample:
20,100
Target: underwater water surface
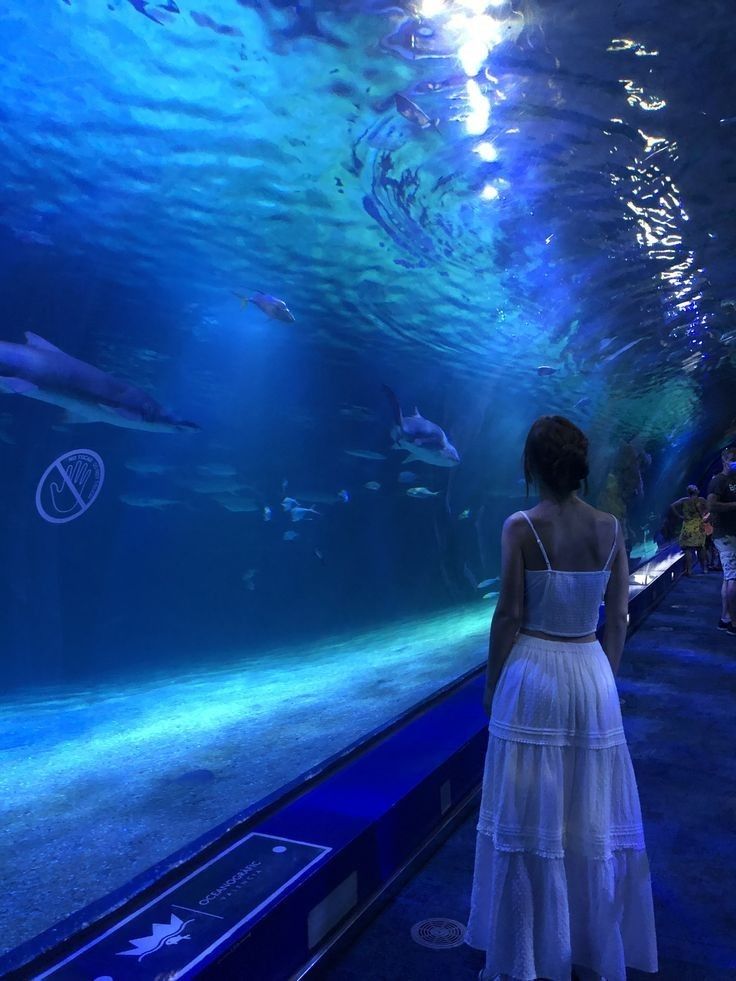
292,281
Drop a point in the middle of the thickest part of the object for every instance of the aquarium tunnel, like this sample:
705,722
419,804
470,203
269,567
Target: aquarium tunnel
284,286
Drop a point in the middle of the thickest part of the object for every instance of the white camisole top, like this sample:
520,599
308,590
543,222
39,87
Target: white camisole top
564,604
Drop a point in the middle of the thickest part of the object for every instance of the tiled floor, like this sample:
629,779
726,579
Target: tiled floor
678,685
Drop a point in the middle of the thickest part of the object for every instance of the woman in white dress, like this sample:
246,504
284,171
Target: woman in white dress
562,885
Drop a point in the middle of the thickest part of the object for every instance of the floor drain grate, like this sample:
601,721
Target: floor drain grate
438,933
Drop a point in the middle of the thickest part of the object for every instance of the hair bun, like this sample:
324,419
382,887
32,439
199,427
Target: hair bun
556,452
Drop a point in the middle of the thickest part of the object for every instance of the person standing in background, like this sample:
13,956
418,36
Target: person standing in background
690,511
722,508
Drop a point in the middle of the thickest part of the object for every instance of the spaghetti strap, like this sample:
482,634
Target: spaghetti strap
615,539
539,541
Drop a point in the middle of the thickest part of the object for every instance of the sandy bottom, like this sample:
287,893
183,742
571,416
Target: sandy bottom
97,786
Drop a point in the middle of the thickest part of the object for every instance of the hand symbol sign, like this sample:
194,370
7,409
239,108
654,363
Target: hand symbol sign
66,493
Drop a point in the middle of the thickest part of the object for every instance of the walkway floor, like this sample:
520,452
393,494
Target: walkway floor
678,685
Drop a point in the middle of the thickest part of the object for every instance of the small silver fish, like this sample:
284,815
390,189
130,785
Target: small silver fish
409,110
464,515
582,403
366,454
344,496
271,305
267,513
290,536
421,492
302,514
372,485
545,369
489,582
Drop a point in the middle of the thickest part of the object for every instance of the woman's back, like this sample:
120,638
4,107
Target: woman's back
567,554
577,538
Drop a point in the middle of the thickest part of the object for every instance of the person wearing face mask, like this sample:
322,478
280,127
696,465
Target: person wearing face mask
722,508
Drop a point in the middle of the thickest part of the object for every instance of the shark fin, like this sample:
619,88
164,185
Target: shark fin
17,386
33,340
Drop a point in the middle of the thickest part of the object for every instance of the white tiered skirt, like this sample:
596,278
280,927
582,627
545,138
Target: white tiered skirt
561,871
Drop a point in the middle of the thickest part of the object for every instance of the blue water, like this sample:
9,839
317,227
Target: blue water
561,202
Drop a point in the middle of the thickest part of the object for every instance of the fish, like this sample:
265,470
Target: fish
39,370
407,477
491,595
267,513
272,306
143,501
372,485
423,439
464,515
288,503
366,454
248,578
582,403
421,492
344,496
489,582
302,514
411,111
546,369
621,350
728,121
319,554
290,536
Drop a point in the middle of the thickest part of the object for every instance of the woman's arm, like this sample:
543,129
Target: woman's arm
507,617
673,507
617,607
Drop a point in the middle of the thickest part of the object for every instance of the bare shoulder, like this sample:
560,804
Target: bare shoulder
515,524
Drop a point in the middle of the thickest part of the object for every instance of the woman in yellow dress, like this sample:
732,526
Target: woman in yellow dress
690,511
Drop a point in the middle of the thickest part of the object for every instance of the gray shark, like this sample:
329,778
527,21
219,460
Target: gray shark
41,371
423,439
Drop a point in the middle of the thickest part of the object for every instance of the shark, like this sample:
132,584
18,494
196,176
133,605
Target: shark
39,370
423,439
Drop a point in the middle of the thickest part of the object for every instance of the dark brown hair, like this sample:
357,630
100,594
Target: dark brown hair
556,453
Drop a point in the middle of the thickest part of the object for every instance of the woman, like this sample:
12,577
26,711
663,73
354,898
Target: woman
561,883
691,510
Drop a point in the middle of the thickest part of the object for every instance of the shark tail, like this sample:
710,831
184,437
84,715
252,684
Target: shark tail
394,402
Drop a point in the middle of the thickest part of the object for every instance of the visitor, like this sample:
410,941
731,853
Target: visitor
691,510
722,509
711,555
561,885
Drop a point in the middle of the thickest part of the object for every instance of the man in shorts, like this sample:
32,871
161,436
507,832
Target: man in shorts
722,507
